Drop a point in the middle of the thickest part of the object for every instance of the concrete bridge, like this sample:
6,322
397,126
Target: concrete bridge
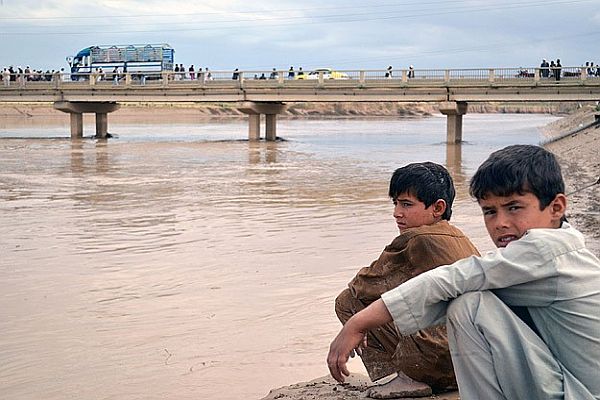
453,89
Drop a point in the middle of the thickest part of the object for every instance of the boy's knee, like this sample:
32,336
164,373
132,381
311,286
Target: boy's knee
466,305
343,305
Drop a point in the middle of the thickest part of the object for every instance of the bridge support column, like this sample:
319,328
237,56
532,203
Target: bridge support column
254,111
101,125
76,125
454,112
254,127
270,127
77,109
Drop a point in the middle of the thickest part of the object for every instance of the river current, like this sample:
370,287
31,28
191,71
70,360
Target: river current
180,261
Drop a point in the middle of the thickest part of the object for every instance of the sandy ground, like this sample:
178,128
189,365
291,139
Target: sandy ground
578,154
579,157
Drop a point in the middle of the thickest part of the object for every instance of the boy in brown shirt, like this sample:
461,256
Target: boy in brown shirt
422,194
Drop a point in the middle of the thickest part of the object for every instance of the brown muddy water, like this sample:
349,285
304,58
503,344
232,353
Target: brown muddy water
178,261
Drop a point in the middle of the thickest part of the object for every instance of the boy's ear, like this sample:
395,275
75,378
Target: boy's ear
558,206
439,208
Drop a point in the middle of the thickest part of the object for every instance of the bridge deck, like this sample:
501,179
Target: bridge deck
362,86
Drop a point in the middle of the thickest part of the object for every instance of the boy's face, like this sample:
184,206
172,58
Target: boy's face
409,212
507,218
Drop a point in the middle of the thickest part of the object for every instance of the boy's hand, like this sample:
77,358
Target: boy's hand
353,336
361,346
341,348
359,349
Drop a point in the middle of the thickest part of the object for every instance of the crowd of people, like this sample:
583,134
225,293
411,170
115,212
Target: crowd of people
183,73
591,69
292,74
21,75
547,70
553,70
389,72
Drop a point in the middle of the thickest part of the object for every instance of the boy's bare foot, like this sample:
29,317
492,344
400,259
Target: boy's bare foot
399,387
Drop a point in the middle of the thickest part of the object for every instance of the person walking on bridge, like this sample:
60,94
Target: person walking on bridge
545,68
557,69
6,77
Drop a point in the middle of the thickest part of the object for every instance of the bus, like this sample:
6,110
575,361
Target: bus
139,60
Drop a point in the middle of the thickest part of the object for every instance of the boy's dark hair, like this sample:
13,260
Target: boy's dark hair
519,169
427,181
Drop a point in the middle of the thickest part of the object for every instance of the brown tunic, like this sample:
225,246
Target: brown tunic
423,356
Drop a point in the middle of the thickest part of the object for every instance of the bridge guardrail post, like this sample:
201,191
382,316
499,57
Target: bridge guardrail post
404,76
447,76
583,73
128,79
320,77
491,75
165,78
56,80
536,75
93,77
361,76
241,79
280,77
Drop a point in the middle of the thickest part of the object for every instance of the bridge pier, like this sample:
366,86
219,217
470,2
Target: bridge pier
76,111
254,111
454,112
76,125
253,127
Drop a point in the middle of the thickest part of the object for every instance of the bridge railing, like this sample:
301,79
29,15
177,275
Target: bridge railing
437,75
279,78
469,74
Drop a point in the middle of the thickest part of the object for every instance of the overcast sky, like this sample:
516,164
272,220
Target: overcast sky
348,34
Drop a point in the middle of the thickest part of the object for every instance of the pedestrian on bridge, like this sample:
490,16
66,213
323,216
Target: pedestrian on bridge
557,69
115,76
6,77
545,68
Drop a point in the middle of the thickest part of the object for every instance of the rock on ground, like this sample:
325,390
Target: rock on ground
325,388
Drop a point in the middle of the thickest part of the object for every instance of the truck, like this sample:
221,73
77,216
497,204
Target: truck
138,59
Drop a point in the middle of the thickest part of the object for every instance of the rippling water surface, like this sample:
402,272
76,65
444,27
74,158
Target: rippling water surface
177,261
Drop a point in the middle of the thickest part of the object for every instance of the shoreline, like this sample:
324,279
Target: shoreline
205,111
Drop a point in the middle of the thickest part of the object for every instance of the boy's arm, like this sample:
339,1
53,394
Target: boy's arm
351,336
526,267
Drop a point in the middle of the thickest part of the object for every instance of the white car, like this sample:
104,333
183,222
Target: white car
328,73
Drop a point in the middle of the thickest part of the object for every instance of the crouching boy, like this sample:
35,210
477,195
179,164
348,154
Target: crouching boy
422,194
523,321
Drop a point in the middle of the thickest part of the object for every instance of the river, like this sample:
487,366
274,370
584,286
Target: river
179,261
